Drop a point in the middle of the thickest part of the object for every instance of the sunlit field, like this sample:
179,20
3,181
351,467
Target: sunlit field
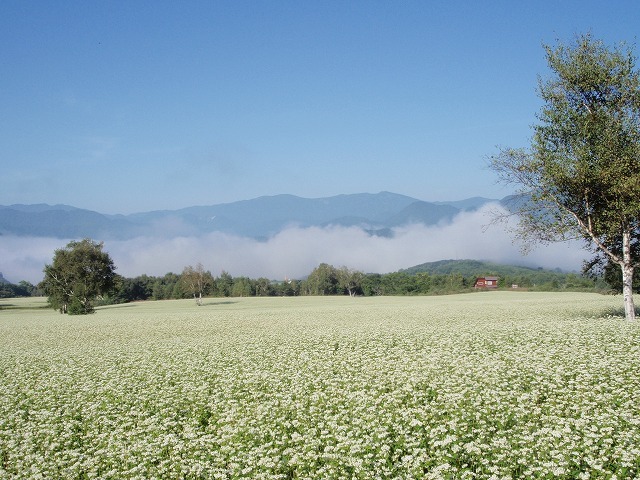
483,385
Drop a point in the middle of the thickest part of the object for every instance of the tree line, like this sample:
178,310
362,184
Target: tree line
82,276
21,289
327,279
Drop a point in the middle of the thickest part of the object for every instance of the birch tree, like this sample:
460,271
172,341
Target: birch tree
350,280
580,178
196,281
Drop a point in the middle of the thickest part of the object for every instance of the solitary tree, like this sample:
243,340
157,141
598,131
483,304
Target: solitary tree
581,176
80,273
196,281
350,280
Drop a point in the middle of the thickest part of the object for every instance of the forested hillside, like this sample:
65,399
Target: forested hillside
524,277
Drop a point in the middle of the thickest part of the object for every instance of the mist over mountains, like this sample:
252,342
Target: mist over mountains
276,237
259,218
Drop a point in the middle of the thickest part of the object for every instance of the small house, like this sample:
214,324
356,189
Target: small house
486,282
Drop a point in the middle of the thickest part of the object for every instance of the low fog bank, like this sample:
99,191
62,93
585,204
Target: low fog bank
295,252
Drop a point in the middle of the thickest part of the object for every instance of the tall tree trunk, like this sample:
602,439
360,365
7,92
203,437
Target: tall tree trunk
627,292
627,277
197,298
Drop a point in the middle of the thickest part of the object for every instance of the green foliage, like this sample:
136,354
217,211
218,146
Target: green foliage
22,289
196,281
79,307
323,280
523,277
583,165
425,279
133,289
468,268
350,280
166,287
582,172
224,285
79,274
264,287
610,273
242,287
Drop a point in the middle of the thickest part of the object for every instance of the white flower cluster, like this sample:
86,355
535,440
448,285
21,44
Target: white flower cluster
492,385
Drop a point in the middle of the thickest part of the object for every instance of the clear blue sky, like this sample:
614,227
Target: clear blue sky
139,105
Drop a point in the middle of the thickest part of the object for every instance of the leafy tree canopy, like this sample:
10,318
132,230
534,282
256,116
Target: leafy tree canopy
581,174
80,273
196,281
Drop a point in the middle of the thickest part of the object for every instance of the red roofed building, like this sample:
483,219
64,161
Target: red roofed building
486,282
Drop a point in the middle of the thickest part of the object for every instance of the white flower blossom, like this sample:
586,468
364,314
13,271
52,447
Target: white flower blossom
489,385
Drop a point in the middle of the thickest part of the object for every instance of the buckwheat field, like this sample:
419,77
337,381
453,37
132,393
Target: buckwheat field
484,385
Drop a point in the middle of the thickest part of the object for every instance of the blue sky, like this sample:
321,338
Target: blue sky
140,105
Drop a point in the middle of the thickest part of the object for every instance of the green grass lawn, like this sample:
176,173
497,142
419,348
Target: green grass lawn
483,385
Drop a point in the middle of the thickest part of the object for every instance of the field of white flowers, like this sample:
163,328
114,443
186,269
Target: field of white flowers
485,385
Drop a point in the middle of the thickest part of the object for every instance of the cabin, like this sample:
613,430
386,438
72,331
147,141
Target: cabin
486,282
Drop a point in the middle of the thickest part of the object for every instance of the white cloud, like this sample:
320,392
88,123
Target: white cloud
294,252
24,258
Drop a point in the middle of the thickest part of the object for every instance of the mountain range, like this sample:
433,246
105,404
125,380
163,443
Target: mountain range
259,218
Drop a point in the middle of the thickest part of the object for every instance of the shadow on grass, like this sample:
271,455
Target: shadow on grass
117,305
617,312
13,306
147,302
222,302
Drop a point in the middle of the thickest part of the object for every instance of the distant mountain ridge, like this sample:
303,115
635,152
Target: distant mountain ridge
258,218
